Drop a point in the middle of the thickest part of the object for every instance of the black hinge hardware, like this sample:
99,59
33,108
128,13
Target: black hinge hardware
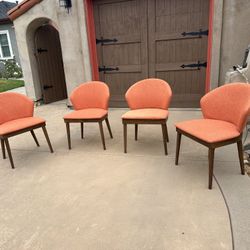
41,50
47,87
199,33
194,65
105,69
103,41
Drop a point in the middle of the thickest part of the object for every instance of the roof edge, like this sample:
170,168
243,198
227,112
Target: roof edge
21,8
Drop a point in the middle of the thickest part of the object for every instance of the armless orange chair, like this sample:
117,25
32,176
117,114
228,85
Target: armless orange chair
225,110
90,101
16,117
148,100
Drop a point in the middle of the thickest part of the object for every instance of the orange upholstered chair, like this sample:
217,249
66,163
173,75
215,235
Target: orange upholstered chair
225,110
90,102
16,117
148,100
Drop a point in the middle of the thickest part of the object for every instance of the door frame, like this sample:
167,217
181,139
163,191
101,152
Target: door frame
88,4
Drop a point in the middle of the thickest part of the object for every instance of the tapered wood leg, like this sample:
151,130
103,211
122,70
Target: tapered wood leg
3,148
240,153
109,128
47,138
125,137
211,167
102,135
68,134
178,145
9,152
164,134
34,137
167,133
82,132
136,132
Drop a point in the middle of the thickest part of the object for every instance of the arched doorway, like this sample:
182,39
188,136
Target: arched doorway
50,64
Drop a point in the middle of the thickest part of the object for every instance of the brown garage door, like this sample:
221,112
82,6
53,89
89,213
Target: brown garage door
166,39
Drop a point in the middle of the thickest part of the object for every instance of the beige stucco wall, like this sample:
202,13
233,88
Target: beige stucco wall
73,37
235,34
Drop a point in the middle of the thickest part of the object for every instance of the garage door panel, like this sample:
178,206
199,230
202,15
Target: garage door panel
118,90
154,38
175,47
123,61
125,16
182,50
122,54
184,81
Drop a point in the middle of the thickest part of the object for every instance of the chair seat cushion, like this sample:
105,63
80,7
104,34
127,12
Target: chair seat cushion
209,130
88,114
146,114
19,124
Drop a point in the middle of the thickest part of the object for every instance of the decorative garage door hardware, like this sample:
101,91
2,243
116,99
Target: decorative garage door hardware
40,50
103,41
105,69
194,65
199,33
47,86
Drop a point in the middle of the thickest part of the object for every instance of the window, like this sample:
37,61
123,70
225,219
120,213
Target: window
5,45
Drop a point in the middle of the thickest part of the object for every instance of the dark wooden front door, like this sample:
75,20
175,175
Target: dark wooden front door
165,39
50,64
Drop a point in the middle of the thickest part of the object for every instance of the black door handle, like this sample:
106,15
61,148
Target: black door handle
194,65
47,87
41,50
199,33
105,69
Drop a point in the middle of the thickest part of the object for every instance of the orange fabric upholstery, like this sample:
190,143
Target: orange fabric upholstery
15,106
92,94
209,130
149,93
146,114
230,102
19,124
93,113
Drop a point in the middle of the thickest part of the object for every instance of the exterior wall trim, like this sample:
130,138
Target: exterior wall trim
22,8
91,38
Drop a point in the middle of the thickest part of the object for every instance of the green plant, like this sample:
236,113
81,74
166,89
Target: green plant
10,69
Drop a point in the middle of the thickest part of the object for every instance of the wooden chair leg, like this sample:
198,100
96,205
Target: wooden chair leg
136,132
47,138
3,148
125,137
167,133
34,137
68,134
178,145
211,167
102,135
164,134
82,130
109,128
240,153
9,152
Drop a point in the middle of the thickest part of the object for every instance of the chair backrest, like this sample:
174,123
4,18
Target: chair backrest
230,102
149,93
15,106
92,94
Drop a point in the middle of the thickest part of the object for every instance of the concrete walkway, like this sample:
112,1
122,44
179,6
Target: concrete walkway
20,90
88,198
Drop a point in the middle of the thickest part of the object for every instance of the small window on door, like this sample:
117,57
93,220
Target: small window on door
5,45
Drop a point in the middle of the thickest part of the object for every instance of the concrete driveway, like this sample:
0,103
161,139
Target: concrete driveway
88,198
